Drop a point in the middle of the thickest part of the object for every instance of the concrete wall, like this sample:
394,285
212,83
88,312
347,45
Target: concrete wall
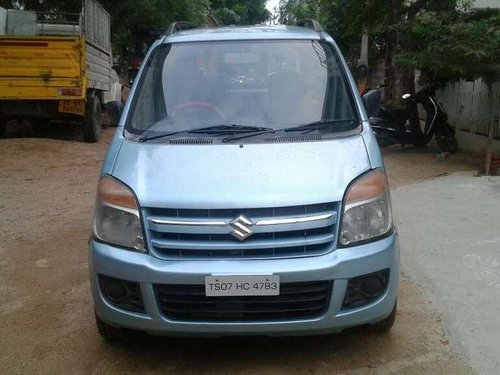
3,21
487,4
472,109
476,144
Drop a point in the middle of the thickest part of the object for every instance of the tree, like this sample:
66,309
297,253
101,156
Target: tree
292,10
240,12
407,34
130,17
454,46
135,23
464,45
344,20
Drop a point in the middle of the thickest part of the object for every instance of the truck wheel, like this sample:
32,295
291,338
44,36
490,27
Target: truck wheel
108,332
386,324
92,120
40,127
3,128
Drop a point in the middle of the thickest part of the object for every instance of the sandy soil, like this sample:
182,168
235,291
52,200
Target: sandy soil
47,189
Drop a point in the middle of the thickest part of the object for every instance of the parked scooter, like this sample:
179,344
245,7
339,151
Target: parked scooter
393,125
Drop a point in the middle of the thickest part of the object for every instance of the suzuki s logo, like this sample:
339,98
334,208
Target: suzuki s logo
241,227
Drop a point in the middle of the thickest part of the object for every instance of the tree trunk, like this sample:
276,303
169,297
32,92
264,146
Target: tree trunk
363,62
491,127
409,81
395,12
408,42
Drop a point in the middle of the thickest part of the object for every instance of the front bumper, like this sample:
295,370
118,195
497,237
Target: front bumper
339,265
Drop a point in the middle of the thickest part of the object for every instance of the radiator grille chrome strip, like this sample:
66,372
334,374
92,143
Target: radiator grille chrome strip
294,220
261,244
263,222
191,223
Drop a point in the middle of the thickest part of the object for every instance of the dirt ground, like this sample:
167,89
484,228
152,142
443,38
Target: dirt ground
47,189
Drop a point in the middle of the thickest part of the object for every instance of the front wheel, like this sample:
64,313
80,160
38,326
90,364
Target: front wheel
446,140
386,324
3,128
40,127
447,143
108,332
384,137
92,120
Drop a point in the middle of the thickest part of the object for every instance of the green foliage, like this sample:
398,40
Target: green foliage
240,12
292,10
445,39
133,20
344,20
454,46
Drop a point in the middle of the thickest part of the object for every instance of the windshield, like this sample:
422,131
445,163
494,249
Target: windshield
273,84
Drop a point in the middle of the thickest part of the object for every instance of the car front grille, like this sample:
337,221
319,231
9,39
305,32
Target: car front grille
304,300
293,231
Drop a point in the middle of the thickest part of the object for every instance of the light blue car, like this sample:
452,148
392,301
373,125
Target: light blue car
243,193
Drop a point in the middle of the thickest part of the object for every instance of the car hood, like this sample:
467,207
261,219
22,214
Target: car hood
240,176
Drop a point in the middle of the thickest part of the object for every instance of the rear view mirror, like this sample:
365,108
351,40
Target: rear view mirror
114,111
372,101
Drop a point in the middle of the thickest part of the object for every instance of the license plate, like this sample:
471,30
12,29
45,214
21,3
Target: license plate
72,106
224,286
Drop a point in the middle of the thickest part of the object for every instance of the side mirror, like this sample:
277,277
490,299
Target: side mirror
114,110
372,101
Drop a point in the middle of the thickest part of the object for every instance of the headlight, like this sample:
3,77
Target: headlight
367,209
116,216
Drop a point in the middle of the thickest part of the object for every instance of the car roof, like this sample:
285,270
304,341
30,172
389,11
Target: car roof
242,33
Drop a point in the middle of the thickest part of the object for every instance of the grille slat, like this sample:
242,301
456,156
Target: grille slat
228,311
289,288
295,301
236,245
189,301
294,231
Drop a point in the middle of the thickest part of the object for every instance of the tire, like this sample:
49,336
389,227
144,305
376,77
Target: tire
92,120
447,143
40,127
3,128
384,137
107,118
386,324
108,332
446,140
384,142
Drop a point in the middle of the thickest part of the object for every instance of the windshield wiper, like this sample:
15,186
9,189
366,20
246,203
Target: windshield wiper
145,136
229,128
317,125
248,135
215,129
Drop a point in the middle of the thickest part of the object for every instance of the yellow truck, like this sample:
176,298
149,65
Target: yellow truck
55,67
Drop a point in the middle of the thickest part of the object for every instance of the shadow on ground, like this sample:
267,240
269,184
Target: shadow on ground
57,130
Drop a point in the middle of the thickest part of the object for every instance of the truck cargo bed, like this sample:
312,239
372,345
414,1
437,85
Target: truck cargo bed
55,67
39,67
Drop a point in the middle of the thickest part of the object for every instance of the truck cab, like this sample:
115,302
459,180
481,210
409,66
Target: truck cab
243,193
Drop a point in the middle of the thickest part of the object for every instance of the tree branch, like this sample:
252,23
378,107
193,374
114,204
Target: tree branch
416,7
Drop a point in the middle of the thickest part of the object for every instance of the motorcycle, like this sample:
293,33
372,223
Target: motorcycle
393,125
